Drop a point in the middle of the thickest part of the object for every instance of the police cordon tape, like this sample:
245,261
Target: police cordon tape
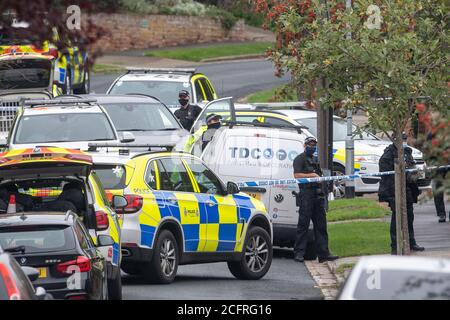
268,183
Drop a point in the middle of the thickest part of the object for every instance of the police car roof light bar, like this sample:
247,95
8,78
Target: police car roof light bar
155,70
66,101
94,146
231,124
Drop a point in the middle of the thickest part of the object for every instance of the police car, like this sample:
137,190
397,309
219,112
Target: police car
50,179
180,212
68,123
165,84
71,72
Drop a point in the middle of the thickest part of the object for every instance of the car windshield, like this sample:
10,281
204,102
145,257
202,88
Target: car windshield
165,91
111,176
64,127
339,129
391,284
25,74
141,117
37,238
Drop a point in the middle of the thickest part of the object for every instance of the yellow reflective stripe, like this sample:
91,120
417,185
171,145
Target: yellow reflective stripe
203,91
260,119
158,185
191,177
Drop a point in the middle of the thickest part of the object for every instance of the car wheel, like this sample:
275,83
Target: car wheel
256,258
164,265
86,85
115,287
339,185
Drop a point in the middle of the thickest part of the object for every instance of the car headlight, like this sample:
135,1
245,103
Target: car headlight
372,158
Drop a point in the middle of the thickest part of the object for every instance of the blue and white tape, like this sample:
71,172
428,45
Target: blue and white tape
277,182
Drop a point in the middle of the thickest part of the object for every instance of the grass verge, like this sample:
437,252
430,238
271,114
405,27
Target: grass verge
359,238
107,68
357,208
213,51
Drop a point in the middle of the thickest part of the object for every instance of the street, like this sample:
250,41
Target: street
286,280
237,79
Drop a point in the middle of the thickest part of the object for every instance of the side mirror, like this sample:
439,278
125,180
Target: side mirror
104,240
31,273
232,188
127,137
119,202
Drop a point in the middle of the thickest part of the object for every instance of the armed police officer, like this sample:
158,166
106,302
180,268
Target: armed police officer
311,202
187,113
386,191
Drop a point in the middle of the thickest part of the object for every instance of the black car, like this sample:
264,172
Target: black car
59,246
15,281
150,121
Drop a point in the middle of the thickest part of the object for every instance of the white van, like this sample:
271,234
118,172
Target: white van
248,153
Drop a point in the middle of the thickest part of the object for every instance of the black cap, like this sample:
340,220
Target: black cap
310,139
183,93
213,116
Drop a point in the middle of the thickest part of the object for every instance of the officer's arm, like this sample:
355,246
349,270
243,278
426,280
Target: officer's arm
305,175
299,170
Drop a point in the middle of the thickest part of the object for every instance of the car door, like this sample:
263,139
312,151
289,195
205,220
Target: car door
180,198
223,107
223,227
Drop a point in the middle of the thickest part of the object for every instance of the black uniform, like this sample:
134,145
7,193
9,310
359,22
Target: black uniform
386,191
311,202
188,115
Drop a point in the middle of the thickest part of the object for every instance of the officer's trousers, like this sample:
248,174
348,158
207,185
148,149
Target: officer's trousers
311,207
410,216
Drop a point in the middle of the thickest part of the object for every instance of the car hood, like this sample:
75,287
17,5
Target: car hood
372,147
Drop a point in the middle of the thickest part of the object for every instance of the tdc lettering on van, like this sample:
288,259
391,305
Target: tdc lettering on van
257,153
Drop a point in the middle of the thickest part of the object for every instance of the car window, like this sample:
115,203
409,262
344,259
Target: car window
141,117
152,176
38,238
207,88
165,91
64,127
25,74
100,189
111,176
206,179
174,176
81,236
198,91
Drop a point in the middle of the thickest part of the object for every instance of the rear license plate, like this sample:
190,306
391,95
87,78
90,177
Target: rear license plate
42,272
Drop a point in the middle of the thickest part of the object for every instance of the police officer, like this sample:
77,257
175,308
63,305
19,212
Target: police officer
213,123
386,191
311,202
187,113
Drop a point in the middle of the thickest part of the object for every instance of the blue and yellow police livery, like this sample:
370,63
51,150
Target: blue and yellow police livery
180,212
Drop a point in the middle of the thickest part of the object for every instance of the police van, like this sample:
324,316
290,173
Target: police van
244,152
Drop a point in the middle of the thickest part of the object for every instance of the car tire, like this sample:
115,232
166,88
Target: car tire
339,192
85,87
115,287
164,264
256,257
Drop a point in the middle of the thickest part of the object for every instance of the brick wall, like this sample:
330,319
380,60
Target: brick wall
131,31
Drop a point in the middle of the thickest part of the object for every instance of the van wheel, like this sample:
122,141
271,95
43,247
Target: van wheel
115,287
256,258
164,265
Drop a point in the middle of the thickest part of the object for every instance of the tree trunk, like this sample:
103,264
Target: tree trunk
400,197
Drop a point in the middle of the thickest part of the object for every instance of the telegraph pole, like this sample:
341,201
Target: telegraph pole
349,142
